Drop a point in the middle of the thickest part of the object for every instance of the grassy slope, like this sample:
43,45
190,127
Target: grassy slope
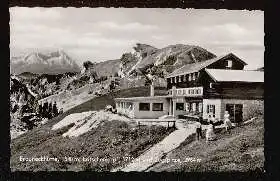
241,150
107,68
112,140
100,102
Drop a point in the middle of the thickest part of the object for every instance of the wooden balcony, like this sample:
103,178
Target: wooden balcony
188,92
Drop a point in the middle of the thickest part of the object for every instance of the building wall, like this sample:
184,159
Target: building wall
151,114
190,100
217,103
126,111
250,107
136,113
179,112
222,64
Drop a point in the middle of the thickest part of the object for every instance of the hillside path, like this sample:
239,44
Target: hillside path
169,143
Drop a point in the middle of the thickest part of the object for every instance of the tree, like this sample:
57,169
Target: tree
40,109
170,60
116,74
87,64
50,111
127,57
112,85
45,109
54,109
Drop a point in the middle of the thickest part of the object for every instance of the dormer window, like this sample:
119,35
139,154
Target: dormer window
184,78
211,85
229,63
193,76
179,79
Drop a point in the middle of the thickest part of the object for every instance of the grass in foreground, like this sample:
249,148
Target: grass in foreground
114,139
110,143
240,150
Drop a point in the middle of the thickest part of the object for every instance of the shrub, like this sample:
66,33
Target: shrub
254,110
170,60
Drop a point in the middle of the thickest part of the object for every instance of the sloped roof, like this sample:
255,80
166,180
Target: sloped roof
142,98
194,67
224,75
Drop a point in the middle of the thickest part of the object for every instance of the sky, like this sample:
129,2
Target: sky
99,34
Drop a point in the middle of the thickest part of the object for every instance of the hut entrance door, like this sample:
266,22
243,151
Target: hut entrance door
235,111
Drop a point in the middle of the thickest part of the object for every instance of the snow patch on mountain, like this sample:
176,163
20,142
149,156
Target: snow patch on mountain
48,63
85,121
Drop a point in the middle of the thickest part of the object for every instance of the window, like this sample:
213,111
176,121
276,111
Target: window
144,106
184,92
157,106
170,92
229,63
211,109
187,107
180,106
193,106
211,85
200,107
130,105
235,111
177,79
179,92
193,76
184,78
190,77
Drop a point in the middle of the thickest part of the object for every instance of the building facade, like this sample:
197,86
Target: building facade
203,88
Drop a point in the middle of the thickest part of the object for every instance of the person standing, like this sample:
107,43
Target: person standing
213,121
210,135
198,129
227,122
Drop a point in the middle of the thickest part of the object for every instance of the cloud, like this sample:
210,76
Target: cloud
106,33
26,14
135,26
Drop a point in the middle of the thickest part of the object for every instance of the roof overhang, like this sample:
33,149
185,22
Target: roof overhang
143,98
242,78
217,59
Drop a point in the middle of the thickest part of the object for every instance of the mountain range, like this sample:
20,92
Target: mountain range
146,57
48,63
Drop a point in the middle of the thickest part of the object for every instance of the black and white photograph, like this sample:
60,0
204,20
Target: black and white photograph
136,89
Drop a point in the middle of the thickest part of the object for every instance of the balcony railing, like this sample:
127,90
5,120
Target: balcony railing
188,92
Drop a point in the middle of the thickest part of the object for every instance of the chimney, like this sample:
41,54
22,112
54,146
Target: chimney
152,89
